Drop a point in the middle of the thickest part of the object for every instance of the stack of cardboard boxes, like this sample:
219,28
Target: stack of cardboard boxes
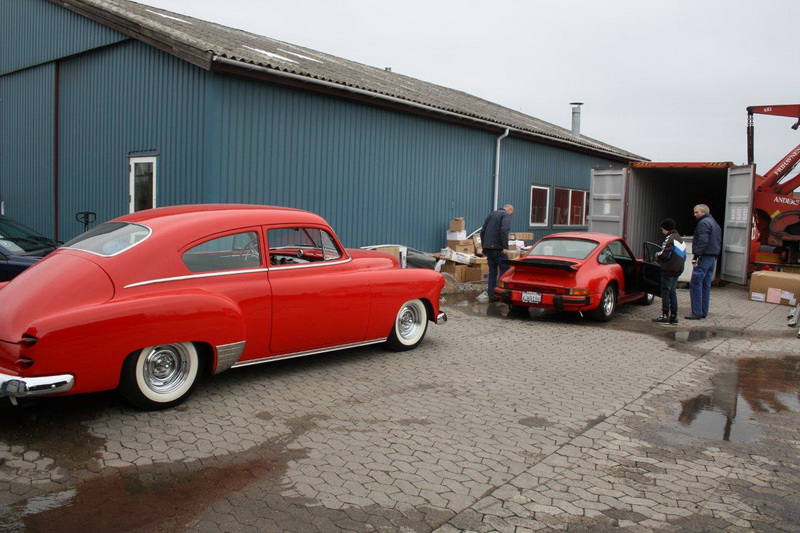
460,256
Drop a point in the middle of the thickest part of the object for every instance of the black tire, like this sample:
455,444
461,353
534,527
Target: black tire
410,326
608,304
159,377
647,300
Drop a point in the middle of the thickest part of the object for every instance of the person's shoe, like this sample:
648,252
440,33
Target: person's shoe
663,319
694,317
673,320
494,299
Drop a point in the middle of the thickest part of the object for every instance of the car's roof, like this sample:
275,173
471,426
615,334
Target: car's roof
220,215
599,237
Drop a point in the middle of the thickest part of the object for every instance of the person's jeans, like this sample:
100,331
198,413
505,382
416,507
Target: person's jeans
700,286
496,268
669,295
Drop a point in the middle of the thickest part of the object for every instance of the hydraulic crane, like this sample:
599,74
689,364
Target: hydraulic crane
776,211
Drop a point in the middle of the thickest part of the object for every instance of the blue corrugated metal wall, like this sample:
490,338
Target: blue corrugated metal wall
378,176
26,147
125,100
33,32
524,163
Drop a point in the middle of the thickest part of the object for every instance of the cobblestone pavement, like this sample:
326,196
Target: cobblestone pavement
496,422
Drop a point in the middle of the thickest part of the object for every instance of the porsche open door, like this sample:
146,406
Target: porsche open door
736,233
607,200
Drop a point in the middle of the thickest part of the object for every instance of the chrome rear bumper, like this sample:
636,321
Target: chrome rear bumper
441,318
19,387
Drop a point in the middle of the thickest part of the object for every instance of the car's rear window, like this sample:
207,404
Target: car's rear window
572,248
109,239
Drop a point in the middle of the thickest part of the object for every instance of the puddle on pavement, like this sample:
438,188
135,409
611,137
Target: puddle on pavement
754,388
698,335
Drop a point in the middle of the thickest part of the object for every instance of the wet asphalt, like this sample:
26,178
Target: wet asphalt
497,422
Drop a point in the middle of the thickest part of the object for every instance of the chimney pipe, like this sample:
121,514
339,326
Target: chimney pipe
576,118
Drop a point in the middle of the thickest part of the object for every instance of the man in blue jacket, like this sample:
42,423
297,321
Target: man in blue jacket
706,247
494,242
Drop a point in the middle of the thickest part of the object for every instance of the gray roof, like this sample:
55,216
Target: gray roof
215,47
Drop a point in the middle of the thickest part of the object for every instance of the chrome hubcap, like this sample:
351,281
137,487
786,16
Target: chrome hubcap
608,301
409,322
165,368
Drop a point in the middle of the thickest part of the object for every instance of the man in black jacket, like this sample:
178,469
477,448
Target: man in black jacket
494,242
706,247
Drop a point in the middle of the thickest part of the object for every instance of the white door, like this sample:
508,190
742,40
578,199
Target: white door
142,175
736,232
607,200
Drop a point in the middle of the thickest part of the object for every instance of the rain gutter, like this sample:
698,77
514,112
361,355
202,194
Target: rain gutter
497,168
394,100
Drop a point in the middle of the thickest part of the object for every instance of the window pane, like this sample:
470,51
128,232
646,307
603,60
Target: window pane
539,197
561,207
110,238
231,252
142,186
586,210
572,248
576,212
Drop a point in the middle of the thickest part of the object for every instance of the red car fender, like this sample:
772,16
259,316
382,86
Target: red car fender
127,325
389,293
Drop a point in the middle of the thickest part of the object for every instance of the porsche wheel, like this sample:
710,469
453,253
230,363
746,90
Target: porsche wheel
161,376
608,303
410,326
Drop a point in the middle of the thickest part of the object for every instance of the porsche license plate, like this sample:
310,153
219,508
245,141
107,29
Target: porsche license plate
531,297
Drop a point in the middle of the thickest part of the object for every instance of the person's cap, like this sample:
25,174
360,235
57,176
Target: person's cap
668,224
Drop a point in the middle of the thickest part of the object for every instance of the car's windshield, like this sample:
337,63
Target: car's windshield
20,240
110,238
572,248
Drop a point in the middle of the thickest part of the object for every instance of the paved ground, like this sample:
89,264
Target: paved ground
496,423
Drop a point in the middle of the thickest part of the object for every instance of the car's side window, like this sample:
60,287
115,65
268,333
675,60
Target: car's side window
231,252
606,256
618,250
292,246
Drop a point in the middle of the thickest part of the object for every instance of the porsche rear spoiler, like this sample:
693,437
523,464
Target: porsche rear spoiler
559,264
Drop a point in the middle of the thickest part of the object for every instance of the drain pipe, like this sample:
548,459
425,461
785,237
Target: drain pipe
497,168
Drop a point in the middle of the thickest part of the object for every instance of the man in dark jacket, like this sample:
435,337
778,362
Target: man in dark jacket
672,257
494,242
706,247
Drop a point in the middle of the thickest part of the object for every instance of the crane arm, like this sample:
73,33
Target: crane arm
791,110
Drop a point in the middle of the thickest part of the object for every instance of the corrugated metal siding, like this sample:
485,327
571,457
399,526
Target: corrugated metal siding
524,164
376,175
127,100
33,32
26,141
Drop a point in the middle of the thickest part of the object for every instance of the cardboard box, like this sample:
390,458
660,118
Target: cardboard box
775,287
476,240
458,224
474,273
520,236
465,246
456,235
456,257
457,271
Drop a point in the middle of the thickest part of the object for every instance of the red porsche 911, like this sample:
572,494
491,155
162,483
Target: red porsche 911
583,272
149,302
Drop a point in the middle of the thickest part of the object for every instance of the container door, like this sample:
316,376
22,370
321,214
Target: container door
736,232
607,200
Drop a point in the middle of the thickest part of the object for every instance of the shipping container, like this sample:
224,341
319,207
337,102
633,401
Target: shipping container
632,201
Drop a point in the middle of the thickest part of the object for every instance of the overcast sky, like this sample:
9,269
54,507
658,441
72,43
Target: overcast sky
668,80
